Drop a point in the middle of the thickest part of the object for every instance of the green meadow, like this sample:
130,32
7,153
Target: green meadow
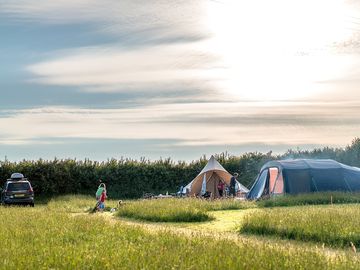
169,234
335,225
311,199
178,210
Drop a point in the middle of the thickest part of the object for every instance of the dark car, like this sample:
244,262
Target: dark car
17,191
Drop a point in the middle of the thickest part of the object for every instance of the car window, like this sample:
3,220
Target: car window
18,186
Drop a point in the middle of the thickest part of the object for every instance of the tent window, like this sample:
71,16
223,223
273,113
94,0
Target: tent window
279,185
259,186
273,173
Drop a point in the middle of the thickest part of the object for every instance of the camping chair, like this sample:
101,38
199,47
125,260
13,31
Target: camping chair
207,195
148,195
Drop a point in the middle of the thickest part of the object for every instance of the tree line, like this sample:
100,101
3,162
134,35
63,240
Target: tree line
128,178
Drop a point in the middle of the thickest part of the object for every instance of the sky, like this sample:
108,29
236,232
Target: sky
180,79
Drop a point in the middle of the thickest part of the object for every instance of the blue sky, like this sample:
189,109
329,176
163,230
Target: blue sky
180,79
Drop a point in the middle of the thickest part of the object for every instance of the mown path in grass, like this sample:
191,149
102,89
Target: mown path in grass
225,226
214,237
63,235
225,221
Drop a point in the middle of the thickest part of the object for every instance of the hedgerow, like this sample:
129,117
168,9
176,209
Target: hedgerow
127,178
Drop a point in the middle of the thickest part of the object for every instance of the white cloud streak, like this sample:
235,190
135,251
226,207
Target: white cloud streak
244,56
232,59
195,124
114,69
167,18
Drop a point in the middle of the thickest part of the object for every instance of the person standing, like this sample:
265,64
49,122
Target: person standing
220,188
102,199
233,184
99,190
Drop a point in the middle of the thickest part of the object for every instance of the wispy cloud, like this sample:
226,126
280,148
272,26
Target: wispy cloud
173,73
191,124
115,69
126,19
194,45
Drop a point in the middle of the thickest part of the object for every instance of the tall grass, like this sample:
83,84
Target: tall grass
227,204
38,239
311,198
165,210
336,225
178,210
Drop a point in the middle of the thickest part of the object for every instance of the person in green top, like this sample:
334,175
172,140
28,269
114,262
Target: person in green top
100,190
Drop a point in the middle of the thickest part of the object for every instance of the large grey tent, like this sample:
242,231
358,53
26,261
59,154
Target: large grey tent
209,178
304,176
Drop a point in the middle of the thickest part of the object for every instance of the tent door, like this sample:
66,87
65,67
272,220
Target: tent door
212,185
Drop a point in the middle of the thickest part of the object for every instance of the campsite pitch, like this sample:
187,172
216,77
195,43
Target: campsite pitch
63,235
335,225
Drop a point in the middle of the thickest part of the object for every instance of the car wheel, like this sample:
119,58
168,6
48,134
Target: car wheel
32,204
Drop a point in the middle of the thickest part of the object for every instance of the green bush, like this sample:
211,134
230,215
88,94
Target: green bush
336,225
127,178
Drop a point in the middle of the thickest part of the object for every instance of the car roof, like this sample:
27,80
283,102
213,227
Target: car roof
17,181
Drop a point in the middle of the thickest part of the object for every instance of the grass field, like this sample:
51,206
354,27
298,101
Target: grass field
311,199
335,225
178,210
63,235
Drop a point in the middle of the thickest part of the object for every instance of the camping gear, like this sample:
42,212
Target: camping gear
212,173
17,176
304,176
100,190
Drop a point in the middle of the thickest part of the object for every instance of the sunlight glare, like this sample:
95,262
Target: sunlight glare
276,50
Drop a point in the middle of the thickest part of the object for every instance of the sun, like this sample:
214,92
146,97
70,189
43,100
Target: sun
276,50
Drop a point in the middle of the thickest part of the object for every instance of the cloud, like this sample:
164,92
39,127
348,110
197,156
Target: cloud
101,69
169,46
151,20
190,124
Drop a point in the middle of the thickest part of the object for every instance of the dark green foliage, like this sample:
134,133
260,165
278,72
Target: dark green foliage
127,178
350,155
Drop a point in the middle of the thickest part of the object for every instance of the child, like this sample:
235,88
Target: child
102,200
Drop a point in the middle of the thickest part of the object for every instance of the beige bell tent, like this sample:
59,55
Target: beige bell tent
209,178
